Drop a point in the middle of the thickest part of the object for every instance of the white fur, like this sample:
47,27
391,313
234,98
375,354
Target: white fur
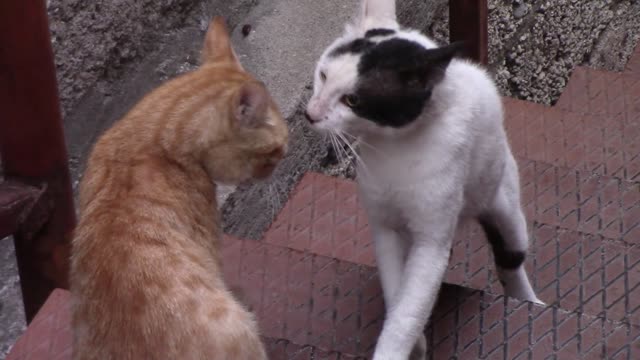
418,182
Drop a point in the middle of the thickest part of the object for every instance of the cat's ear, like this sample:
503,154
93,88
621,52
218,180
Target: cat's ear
377,13
438,59
217,44
251,105
429,70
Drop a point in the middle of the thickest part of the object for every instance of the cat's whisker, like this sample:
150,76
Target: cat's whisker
355,154
341,149
345,142
344,132
336,147
327,138
348,157
360,141
342,142
349,151
333,145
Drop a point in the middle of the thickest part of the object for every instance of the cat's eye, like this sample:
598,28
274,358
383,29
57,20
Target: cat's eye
351,100
323,76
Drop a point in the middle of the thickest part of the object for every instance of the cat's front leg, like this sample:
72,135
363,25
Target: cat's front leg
391,253
405,321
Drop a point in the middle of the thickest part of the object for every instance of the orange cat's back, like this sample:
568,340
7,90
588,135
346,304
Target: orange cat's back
146,278
143,289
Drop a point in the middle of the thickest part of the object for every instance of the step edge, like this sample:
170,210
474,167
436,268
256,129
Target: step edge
488,291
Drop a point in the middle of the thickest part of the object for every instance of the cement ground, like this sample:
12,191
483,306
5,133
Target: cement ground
109,54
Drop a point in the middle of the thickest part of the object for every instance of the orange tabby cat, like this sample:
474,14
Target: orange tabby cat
146,279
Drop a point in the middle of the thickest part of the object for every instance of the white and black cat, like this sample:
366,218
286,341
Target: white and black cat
434,152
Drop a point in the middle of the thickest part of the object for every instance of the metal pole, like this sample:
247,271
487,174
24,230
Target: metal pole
32,146
468,22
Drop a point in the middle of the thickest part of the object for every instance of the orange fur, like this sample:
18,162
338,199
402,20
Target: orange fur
145,275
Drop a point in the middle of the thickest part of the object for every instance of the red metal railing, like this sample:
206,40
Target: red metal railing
36,203
468,22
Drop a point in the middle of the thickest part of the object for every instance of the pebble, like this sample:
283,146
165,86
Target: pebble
520,10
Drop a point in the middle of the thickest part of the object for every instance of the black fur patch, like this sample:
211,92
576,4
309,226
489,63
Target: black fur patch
396,78
378,32
357,46
504,258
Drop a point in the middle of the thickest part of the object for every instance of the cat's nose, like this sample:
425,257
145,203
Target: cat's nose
314,111
310,118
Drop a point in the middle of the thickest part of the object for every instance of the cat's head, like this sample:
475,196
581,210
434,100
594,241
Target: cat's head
375,77
251,136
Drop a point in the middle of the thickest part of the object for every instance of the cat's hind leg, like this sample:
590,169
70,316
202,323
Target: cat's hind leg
506,229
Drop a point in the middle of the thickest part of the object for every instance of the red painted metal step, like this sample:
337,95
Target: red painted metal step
596,143
581,201
340,308
578,270
285,349
598,92
49,337
312,307
633,65
49,333
324,215
571,270
306,298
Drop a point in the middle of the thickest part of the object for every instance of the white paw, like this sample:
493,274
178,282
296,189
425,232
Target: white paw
538,302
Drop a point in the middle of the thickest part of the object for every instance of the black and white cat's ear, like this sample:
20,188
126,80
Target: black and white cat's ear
442,56
430,69
377,14
217,44
251,105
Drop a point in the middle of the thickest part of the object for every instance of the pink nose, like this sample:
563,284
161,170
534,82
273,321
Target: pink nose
310,118
313,113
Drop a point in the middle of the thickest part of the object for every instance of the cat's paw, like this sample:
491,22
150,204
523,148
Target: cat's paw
538,302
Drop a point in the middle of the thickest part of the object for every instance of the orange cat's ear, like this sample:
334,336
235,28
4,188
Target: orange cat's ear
251,105
217,44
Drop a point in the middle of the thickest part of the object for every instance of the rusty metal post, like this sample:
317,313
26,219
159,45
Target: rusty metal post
468,22
32,145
